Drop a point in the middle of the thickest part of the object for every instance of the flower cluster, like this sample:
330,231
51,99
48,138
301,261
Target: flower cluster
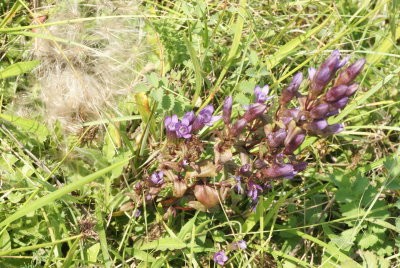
255,148
190,123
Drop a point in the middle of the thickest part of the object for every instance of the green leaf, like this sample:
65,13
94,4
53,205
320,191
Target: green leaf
5,241
93,252
18,68
28,125
167,103
164,244
367,240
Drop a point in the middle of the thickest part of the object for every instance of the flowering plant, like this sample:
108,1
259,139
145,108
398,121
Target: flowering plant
253,150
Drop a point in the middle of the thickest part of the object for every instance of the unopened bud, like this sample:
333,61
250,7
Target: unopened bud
289,92
350,73
254,111
319,111
336,93
227,110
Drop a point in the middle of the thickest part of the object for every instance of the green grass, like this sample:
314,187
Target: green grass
68,200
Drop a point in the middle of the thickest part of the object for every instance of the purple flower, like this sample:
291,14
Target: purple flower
336,93
183,128
245,169
333,129
317,126
319,111
137,213
276,139
170,123
350,73
189,117
241,244
157,178
325,73
254,111
289,92
261,94
238,126
205,117
253,190
220,257
227,110
280,171
238,186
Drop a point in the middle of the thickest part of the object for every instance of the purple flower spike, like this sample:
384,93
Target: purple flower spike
170,122
157,178
253,190
261,94
205,117
280,171
183,129
227,110
220,257
291,90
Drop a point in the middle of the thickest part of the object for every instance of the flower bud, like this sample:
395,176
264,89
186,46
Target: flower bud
279,171
206,195
276,139
254,111
170,123
227,110
294,144
336,93
333,129
238,126
319,111
289,92
316,126
350,73
351,89
340,104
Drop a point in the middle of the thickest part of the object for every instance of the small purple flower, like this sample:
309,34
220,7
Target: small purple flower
254,111
157,178
261,94
220,257
170,123
238,186
280,171
205,117
253,190
245,169
189,117
336,93
276,139
241,244
350,73
137,213
227,110
289,92
319,111
239,126
183,129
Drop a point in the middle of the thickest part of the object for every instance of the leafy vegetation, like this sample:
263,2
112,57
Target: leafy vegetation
72,198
